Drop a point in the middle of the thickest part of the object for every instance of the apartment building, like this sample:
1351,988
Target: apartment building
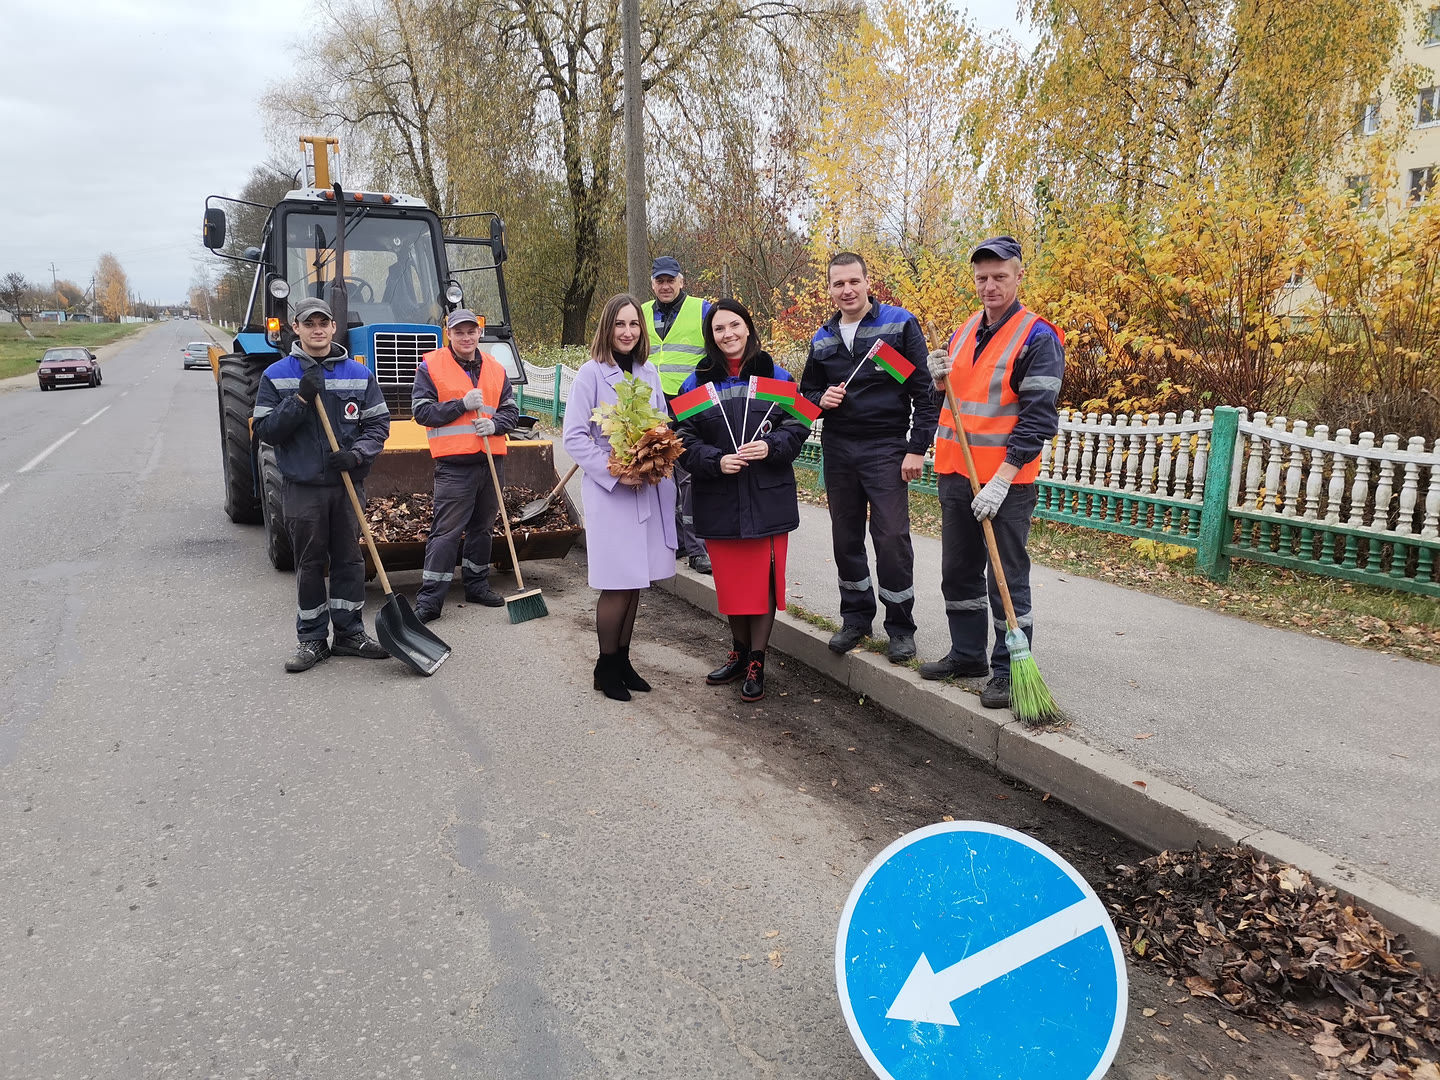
1417,162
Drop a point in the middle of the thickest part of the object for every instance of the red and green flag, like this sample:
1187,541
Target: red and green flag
778,391
696,401
802,408
892,361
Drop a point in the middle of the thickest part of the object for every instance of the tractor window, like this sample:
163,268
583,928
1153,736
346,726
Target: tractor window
472,267
390,273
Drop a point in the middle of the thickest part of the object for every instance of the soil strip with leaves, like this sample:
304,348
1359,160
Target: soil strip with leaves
396,519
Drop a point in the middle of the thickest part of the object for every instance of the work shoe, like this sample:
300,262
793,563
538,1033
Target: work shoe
486,596
628,675
753,688
847,637
361,645
947,667
734,666
996,694
902,648
700,564
427,614
307,655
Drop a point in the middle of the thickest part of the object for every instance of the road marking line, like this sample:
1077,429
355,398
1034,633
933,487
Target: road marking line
46,452
126,392
95,417
4,488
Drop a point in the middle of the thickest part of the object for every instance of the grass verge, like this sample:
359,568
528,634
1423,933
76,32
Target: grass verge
1388,621
18,353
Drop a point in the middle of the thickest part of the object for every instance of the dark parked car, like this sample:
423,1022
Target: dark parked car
197,354
72,366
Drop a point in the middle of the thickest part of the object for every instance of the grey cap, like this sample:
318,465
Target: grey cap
312,305
461,315
997,247
665,266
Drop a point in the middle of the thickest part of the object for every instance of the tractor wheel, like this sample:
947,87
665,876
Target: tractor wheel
237,385
277,536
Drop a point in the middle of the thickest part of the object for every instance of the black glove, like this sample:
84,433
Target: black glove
344,460
311,383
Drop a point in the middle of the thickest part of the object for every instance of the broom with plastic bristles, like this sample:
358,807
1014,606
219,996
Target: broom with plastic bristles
1030,698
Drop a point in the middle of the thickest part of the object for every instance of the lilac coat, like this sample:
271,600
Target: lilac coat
629,532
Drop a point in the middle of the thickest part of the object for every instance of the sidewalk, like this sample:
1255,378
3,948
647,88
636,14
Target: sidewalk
1335,747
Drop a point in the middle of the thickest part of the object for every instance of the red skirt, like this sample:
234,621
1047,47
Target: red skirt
744,570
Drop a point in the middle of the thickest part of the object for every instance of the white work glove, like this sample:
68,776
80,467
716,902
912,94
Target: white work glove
939,361
987,503
473,399
484,426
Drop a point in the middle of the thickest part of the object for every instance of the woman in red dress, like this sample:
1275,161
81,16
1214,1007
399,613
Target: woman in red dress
739,456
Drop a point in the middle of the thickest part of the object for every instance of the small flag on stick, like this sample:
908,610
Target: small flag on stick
892,361
696,401
803,409
777,390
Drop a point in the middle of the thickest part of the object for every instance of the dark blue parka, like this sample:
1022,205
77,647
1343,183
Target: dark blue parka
760,499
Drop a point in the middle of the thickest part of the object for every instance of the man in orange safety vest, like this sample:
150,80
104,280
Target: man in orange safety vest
1004,365
462,397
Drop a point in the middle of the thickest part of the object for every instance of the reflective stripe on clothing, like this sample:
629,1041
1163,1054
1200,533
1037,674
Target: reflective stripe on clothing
897,597
345,384
978,603
435,575
311,613
375,410
347,605
261,410
285,384
856,586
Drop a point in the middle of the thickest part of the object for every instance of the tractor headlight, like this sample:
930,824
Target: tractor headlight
453,293
279,288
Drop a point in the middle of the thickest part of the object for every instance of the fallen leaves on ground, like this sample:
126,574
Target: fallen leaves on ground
1266,942
398,519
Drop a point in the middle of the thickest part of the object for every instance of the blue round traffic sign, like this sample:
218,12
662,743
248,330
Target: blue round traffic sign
971,950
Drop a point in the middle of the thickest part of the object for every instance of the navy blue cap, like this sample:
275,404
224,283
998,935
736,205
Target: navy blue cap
665,265
997,247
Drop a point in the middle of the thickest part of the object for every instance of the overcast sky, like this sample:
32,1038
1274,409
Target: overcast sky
118,117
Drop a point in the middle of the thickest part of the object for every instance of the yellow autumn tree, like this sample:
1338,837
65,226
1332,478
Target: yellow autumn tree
112,288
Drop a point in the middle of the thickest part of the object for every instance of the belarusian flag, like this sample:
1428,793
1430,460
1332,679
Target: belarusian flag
777,390
890,359
802,408
696,401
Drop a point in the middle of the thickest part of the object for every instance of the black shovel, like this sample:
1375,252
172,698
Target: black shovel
397,626
536,508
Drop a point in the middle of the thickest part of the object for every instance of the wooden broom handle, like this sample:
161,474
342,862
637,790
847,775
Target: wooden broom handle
989,530
354,499
504,517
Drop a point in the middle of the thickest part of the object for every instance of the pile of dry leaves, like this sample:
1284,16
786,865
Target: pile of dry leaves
1264,940
398,519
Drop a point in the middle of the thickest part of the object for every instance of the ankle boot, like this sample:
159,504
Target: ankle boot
608,677
733,668
753,688
628,675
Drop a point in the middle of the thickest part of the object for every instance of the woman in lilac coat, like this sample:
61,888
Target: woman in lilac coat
629,528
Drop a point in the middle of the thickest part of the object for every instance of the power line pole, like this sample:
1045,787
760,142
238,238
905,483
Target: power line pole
55,289
636,233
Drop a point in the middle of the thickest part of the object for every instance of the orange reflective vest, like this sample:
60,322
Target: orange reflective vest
988,403
451,384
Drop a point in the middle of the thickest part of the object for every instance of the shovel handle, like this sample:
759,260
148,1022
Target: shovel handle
354,499
504,517
563,481
995,568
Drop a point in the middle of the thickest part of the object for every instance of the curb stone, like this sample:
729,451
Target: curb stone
1141,807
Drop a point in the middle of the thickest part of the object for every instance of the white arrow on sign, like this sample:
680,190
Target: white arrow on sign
926,996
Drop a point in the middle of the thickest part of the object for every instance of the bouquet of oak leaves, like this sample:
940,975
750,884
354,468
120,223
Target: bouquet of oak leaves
643,448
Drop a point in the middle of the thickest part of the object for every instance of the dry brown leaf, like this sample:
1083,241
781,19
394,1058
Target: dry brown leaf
1327,1047
772,933
1145,735
775,960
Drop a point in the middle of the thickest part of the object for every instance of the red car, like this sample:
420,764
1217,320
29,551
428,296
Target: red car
72,366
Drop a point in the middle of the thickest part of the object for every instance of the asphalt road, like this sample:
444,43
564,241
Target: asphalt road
209,868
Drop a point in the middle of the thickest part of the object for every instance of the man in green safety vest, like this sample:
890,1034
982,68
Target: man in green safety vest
677,342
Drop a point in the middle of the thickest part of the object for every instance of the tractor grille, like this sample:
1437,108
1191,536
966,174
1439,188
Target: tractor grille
396,358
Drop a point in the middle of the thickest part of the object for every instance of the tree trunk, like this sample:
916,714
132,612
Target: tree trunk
575,308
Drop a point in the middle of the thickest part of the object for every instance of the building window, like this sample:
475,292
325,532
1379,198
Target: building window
1421,181
1429,107
1297,278
1432,27
1367,119
1359,189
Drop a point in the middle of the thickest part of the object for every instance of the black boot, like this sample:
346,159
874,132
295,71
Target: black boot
733,667
628,675
753,688
609,678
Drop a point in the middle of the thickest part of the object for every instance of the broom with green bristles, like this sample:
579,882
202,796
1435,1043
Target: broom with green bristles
1030,698
526,604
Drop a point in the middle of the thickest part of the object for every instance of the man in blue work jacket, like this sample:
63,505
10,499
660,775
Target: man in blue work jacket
874,436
